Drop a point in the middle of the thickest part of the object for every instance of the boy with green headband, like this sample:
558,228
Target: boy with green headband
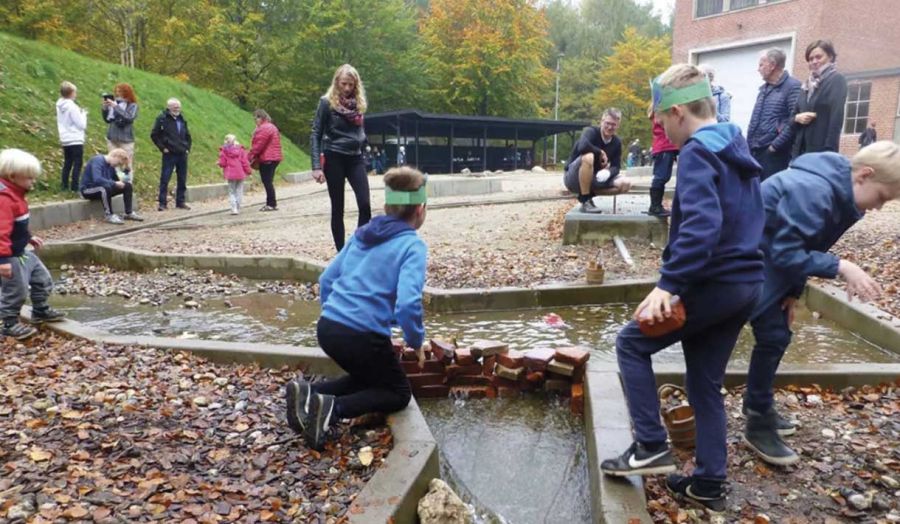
375,281
714,265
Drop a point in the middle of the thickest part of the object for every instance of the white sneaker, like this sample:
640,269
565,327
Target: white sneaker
114,219
234,210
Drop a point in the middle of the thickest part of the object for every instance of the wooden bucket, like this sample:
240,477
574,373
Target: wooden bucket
679,420
594,273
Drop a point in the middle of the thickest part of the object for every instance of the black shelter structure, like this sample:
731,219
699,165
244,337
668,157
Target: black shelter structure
443,143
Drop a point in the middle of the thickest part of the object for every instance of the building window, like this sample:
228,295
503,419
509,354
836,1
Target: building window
715,7
856,114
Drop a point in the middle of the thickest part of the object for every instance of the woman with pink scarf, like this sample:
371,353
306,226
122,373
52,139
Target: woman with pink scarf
819,115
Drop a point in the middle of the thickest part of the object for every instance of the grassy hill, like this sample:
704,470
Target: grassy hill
30,74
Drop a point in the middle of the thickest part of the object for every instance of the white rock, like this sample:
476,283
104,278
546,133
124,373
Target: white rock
442,506
466,171
538,169
829,433
365,455
889,482
860,502
814,400
201,401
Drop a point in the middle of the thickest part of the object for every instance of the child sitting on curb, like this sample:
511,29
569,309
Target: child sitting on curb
375,280
20,268
713,263
808,207
235,168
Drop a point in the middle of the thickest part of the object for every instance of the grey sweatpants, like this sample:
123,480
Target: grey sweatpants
28,270
235,193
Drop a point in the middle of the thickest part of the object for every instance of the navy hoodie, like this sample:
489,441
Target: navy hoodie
717,213
808,207
377,280
98,173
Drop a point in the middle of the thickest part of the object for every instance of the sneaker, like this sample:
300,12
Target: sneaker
638,461
589,207
183,206
233,211
133,216
658,211
684,488
46,315
321,407
783,426
114,219
761,438
18,331
161,207
297,394
268,208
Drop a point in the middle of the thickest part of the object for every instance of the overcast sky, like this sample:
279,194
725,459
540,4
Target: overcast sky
661,7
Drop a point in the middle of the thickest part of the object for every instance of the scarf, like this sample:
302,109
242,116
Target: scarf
816,78
349,112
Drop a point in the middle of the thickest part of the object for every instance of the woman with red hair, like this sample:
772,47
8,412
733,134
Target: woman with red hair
120,112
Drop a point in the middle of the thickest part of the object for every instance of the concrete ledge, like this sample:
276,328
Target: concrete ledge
879,327
587,228
44,216
205,192
444,186
297,178
834,376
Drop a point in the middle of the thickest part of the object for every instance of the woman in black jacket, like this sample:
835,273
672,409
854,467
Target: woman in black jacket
819,115
337,141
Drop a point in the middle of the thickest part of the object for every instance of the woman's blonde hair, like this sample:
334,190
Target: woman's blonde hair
882,156
17,162
230,139
683,75
334,92
403,179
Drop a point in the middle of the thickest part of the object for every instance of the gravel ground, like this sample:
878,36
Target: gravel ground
127,434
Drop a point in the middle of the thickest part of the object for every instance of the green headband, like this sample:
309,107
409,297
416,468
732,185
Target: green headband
405,198
666,97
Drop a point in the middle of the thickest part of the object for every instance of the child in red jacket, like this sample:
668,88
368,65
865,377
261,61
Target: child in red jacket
235,168
20,269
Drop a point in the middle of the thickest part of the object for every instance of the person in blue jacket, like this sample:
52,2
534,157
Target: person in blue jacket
714,265
376,280
99,181
808,207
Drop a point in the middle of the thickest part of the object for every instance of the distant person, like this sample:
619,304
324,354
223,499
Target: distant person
401,156
771,133
597,150
21,271
375,282
369,161
71,121
634,153
120,110
869,134
720,95
338,133
819,115
235,168
265,152
378,158
664,155
528,160
173,139
100,181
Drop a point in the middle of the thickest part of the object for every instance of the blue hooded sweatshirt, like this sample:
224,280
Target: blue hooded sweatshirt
717,213
98,173
808,207
377,280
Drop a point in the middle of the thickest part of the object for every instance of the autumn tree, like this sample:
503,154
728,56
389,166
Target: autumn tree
485,57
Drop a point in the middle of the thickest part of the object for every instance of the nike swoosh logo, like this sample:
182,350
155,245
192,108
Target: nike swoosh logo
634,463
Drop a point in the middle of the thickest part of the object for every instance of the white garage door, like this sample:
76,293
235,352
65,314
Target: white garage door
736,72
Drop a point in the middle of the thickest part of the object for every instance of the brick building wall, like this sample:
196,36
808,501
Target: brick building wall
882,108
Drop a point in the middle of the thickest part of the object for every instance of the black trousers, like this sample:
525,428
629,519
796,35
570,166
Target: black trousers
177,162
100,193
771,162
338,168
267,174
375,381
72,158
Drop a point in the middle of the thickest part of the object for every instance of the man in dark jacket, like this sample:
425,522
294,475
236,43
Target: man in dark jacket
770,134
595,161
869,135
172,137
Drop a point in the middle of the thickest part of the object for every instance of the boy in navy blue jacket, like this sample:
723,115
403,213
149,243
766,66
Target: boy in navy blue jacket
375,280
713,263
808,207
99,181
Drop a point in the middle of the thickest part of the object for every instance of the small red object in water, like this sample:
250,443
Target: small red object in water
554,320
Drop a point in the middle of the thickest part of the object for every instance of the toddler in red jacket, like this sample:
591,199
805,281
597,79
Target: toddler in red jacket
235,168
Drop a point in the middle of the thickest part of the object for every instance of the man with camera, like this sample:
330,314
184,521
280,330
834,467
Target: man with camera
170,134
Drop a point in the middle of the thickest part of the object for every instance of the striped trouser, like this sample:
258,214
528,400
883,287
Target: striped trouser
105,195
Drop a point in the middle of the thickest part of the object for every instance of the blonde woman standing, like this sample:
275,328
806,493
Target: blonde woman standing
337,143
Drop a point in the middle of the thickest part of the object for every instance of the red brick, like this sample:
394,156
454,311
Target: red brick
425,379
535,377
505,392
538,358
454,370
578,374
576,403
487,366
489,348
500,382
443,350
431,392
561,368
511,374
492,392
574,356
512,359
469,380
430,366
464,357
471,391
409,354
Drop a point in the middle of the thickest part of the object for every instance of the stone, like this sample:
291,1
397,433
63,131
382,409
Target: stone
576,403
561,368
558,385
22,510
489,348
814,400
828,433
859,501
538,169
572,355
464,357
487,366
425,379
466,171
192,304
889,482
538,358
365,455
454,370
442,506
431,391
443,351
512,359
201,401
508,373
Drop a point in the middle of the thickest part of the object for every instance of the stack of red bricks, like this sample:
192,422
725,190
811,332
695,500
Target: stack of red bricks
488,369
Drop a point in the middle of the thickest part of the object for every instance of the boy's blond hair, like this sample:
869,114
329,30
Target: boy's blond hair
66,89
120,153
882,156
17,162
683,75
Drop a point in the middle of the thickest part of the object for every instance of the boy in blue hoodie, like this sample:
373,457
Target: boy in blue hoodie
713,263
808,207
375,280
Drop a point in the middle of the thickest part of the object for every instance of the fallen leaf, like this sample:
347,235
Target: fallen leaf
39,455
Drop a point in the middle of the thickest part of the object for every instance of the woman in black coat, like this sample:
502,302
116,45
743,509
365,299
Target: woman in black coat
819,115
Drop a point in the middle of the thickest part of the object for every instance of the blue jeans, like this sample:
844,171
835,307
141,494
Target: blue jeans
773,335
716,312
662,168
177,162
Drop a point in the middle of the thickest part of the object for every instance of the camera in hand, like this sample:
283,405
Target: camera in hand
107,96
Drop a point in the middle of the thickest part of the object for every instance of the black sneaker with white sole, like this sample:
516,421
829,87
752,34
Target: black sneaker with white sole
321,409
705,494
761,437
48,314
637,460
783,426
298,394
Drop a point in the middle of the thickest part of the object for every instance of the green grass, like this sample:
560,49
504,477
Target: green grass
30,74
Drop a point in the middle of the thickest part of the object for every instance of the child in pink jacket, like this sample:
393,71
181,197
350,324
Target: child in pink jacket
235,167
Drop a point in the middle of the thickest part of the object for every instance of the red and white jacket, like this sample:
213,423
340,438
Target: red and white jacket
14,235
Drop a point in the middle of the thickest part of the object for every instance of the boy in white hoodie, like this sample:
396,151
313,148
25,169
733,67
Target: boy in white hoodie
71,121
